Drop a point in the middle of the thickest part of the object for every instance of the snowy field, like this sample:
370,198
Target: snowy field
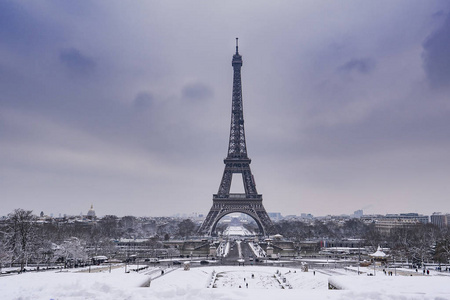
221,282
236,230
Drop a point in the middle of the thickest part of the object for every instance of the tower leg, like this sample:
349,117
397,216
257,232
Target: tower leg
221,208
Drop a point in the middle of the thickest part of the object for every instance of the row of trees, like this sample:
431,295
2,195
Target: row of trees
417,243
23,239
420,244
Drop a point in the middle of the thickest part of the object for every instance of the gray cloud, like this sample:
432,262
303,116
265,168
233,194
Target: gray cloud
361,65
16,24
76,62
24,30
197,91
439,14
436,55
143,100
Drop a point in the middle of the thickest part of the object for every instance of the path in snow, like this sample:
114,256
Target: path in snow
239,248
244,279
233,230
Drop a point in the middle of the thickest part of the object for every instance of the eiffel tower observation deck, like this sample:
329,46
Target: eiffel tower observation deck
237,162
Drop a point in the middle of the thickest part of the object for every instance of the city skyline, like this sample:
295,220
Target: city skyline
127,106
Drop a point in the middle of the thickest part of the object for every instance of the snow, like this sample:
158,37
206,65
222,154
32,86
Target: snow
223,249
267,282
379,253
236,230
401,284
238,243
257,250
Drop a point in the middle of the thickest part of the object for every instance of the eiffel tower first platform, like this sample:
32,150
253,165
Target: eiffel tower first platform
237,161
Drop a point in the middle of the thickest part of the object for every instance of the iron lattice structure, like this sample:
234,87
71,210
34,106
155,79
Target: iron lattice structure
237,161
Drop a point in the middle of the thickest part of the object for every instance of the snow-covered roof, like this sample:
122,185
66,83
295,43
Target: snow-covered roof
99,257
379,253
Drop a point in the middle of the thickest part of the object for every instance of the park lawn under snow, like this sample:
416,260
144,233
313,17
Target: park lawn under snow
197,282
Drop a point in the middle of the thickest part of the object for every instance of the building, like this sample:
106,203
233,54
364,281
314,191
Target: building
91,213
409,216
358,213
306,216
439,219
275,216
386,225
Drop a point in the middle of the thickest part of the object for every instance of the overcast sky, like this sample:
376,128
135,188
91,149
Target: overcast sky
126,105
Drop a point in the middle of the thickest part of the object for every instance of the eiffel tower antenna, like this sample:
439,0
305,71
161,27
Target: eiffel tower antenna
237,162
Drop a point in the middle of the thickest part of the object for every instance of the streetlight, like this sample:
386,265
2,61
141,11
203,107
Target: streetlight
359,254
395,268
374,271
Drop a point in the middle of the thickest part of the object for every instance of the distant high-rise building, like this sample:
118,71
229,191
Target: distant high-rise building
306,216
439,219
275,216
358,213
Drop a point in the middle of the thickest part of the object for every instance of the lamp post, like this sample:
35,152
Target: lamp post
374,270
395,268
359,254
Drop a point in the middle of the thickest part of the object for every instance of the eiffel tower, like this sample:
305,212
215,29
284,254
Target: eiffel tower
237,161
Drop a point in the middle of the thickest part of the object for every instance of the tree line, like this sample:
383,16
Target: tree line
25,239
416,243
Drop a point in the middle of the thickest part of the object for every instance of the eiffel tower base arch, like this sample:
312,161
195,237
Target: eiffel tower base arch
222,207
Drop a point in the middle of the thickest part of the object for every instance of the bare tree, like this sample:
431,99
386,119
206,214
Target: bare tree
20,235
5,254
186,228
421,241
373,238
399,242
354,228
442,250
71,251
109,226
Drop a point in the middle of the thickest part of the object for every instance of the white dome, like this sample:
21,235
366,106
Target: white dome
91,212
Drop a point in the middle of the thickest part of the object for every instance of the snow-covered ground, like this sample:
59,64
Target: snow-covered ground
238,244
257,250
221,282
236,230
223,249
